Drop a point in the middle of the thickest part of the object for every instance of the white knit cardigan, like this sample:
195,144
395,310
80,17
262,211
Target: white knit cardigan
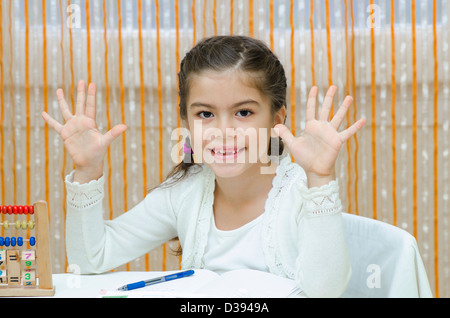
302,232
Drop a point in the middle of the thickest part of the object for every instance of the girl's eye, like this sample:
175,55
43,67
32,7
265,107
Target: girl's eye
208,115
245,111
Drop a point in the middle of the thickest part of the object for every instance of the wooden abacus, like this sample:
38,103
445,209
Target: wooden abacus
25,264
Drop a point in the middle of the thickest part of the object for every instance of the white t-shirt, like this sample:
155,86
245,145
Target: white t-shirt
235,249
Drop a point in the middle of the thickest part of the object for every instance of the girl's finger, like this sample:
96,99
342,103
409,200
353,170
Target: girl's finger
327,103
353,129
81,98
285,134
115,132
52,122
311,104
63,105
339,116
90,102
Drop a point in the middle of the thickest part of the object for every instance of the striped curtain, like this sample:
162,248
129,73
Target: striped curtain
392,56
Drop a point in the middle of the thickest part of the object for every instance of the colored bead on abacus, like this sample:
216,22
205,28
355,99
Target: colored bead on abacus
17,209
19,224
12,241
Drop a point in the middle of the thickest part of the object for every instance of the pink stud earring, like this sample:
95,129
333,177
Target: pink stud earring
187,147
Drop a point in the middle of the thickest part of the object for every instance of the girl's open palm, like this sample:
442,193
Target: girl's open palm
317,149
85,144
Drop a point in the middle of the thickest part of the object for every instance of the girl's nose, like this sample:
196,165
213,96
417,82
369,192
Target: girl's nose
226,127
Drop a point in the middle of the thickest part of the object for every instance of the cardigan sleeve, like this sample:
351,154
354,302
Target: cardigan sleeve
95,245
322,266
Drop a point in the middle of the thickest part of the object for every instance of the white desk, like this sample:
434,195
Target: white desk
91,286
70,286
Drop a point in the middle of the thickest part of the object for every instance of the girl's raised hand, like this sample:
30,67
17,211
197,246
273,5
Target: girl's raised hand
317,149
85,144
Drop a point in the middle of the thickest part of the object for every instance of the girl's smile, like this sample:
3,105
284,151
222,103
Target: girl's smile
226,154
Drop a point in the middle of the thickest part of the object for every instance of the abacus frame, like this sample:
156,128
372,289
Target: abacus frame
45,282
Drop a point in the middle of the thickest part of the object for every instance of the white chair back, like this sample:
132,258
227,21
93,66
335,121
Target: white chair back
385,260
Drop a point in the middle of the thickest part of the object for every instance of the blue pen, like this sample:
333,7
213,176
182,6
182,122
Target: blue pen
157,280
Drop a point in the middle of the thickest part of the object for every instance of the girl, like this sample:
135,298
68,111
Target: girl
226,212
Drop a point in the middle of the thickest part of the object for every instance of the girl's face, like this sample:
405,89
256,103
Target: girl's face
230,122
